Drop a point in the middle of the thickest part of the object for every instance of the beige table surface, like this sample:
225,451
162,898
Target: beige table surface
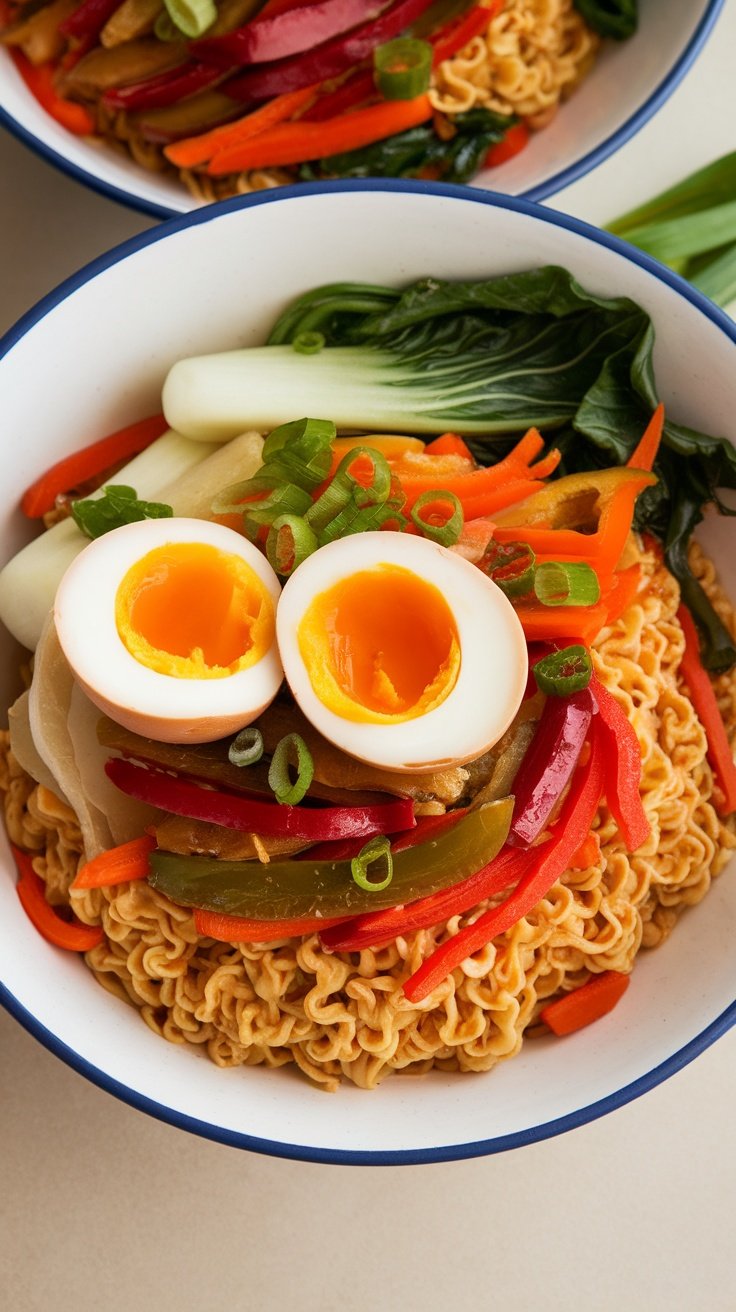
104,1208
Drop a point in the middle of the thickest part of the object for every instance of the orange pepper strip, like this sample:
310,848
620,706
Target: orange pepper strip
39,78
547,465
645,453
88,463
189,152
586,1004
293,143
73,936
236,929
120,865
499,498
702,695
569,623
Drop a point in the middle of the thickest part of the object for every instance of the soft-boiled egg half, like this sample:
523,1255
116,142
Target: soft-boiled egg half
400,652
169,626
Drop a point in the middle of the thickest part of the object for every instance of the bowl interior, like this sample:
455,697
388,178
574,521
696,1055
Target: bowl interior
218,281
629,83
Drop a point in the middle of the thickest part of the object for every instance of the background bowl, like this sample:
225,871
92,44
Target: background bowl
629,83
100,347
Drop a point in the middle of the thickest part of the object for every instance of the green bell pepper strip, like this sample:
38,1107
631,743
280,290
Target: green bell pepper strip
285,890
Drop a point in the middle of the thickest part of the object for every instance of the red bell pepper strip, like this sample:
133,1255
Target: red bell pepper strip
164,89
91,461
549,861
588,854
456,35
425,827
71,935
40,80
181,797
623,768
89,18
378,927
236,929
354,91
276,36
584,1005
549,763
327,60
720,753
514,140
292,143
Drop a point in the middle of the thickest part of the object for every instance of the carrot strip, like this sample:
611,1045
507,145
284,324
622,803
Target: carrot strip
625,586
293,143
586,1004
120,865
645,453
588,854
703,697
236,929
71,935
547,465
449,444
88,463
191,151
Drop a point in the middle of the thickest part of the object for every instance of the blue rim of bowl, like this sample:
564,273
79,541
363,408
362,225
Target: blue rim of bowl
311,1153
543,191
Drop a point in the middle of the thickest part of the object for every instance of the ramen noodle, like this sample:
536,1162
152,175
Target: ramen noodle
340,1015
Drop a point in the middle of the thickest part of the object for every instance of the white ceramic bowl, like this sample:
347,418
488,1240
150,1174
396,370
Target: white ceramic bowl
630,82
93,354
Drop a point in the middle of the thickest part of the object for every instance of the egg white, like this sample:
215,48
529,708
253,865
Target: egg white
493,655
155,705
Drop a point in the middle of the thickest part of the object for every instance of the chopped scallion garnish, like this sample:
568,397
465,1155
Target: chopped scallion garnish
564,672
286,791
401,68
566,583
308,343
192,17
247,748
290,541
437,525
376,849
511,566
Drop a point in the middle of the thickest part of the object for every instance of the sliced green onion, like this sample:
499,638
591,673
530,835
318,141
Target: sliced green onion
564,672
448,531
376,849
286,792
192,17
308,343
290,541
511,565
345,494
401,68
301,450
362,519
566,583
247,748
164,29
285,500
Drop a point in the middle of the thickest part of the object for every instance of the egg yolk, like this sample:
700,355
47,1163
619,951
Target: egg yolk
380,646
192,611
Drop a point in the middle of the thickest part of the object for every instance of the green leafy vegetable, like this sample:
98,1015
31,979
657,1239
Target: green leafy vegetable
119,505
616,18
692,228
408,154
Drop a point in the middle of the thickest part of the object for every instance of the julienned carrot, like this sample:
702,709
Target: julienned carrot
547,465
88,463
120,865
645,453
449,444
293,143
40,80
191,151
587,854
586,1004
703,698
474,486
71,935
235,929
623,591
